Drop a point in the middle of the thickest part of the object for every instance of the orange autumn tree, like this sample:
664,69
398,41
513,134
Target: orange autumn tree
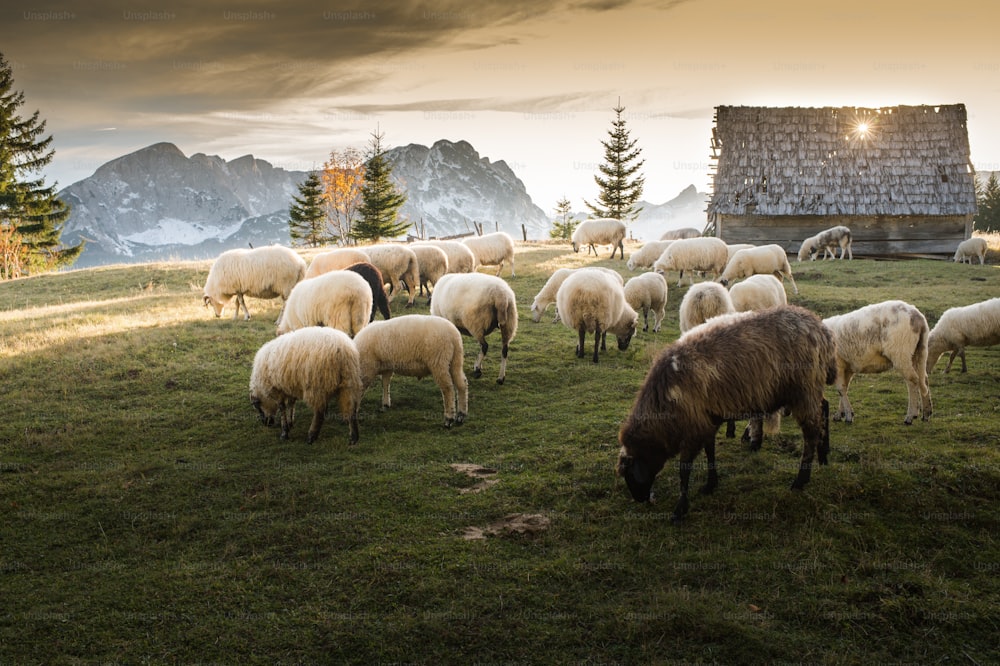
342,177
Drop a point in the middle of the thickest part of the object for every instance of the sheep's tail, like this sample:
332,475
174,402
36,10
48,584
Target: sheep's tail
506,313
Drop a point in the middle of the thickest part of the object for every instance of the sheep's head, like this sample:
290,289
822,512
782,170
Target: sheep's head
638,476
536,312
624,340
576,246
266,409
217,306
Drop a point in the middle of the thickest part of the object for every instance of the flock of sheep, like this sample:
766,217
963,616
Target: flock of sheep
330,348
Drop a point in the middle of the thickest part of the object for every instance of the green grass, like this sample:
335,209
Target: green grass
148,517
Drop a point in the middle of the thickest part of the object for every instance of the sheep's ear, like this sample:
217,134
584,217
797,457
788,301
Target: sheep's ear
207,299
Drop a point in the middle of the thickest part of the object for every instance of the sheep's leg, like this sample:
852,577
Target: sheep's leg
581,344
386,400
823,451
684,470
951,359
604,340
504,349
730,428
755,432
348,403
477,370
961,355
645,319
850,252
680,277
319,414
443,378
844,377
620,246
286,412
597,340
815,436
913,394
461,386
713,475
658,320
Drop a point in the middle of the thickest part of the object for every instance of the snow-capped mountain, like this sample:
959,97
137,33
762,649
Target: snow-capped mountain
156,203
687,209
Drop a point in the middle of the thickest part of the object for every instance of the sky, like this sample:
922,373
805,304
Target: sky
530,83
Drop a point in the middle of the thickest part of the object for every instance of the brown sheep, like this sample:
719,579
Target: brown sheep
373,276
701,380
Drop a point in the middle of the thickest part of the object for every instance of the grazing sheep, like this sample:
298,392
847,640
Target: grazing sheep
600,231
758,292
416,346
492,250
969,248
334,260
648,292
460,257
828,241
677,234
338,299
398,265
976,325
373,276
477,304
547,295
705,378
647,255
702,302
263,272
432,262
312,364
875,338
591,301
763,260
693,254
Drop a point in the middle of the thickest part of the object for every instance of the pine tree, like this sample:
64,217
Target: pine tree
31,216
987,219
307,221
563,226
380,200
620,182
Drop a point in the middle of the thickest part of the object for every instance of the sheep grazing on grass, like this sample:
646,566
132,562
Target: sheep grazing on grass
764,260
591,301
702,302
676,234
432,263
334,260
263,272
647,255
398,265
752,363
492,250
478,304
875,338
600,231
827,242
648,292
976,325
547,295
758,292
969,248
706,254
373,276
338,299
460,257
313,364
416,346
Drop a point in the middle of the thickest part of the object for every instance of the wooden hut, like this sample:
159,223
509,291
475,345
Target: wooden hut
900,177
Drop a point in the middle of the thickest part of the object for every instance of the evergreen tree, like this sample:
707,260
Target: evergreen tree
563,226
380,200
31,216
307,223
619,181
987,219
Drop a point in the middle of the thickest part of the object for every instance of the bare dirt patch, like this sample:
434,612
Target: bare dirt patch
515,523
476,472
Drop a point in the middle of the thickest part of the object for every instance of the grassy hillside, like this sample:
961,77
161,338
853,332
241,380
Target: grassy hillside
148,517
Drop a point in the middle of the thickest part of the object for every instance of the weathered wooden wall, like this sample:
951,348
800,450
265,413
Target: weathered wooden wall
873,235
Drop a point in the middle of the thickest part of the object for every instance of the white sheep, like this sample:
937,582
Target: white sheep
648,292
736,247
416,346
263,272
460,257
976,325
398,265
702,302
693,254
477,304
600,231
314,365
432,263
591,301
647,255
547,295
339,299
763,260
969,248
677,234
492,250
334,260
875,338
758,292
828,241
